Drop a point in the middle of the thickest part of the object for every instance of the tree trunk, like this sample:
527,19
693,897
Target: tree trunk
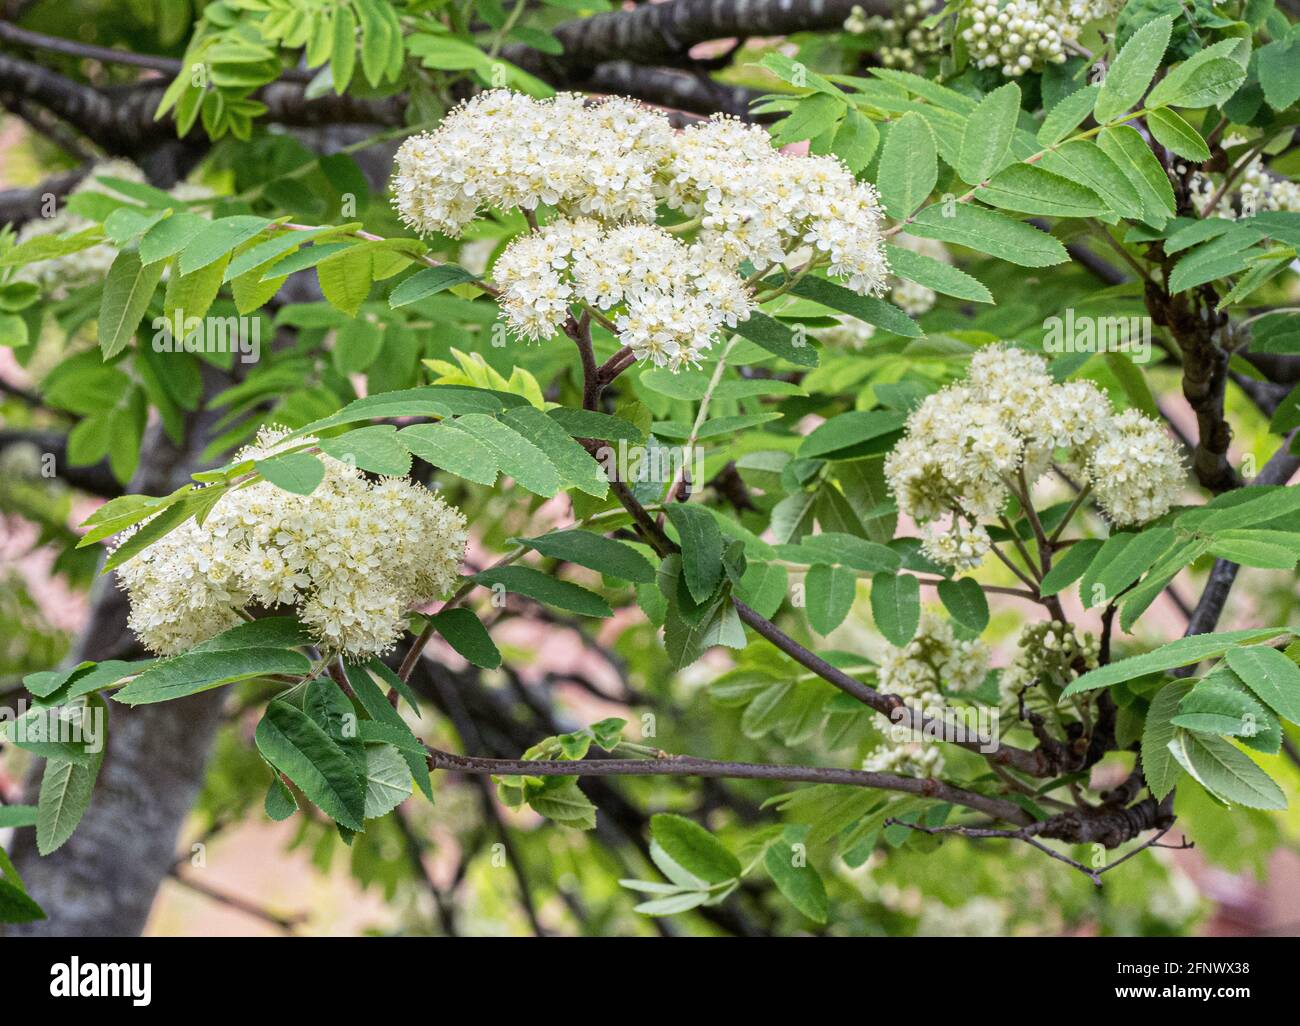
102,882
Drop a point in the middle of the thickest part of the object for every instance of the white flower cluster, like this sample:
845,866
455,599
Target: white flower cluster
1255,190
964,446
503,149
1047,652
1136,469
668,300
606,168
353,557
905,42
934,661
757,204
1025,35
911,759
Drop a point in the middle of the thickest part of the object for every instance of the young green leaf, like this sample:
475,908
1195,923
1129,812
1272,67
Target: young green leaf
986,231
1174,133
196,670
1067,115
1225,771
387,780
456,452
516,456
1205,79
376,448
1159,766
576,467
66,789
896,606
1183,652
1218,708
127,291
428,282
464,632
1085,162
296,472
797,880
524,580
1139,165
610,557
701,542
1128,77
1030,189
908,165
694,848
828,596
1273,677
986,141
965,601
299,748
935,274
1070,567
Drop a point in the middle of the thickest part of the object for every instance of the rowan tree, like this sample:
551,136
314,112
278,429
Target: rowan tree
895,405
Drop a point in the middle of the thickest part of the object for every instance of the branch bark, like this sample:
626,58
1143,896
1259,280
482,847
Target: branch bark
665,32
688,766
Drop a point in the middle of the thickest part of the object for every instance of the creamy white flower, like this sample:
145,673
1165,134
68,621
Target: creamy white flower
353,557
920,672
668,301
934,661
503,149
965,445
849,333
962,546
1136,469
904,41
615,161
911,759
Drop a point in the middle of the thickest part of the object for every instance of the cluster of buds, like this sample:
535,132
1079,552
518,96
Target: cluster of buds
905,41
1050,653
1017,38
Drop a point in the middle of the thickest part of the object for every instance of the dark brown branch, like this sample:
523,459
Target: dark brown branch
664,87
18,206
664,33
1132,819
121,119
95,479
688,766
27,39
